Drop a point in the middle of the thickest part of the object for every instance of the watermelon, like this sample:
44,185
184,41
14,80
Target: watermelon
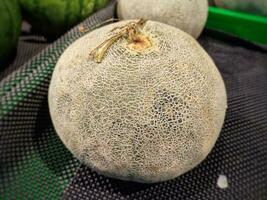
10,25
54,17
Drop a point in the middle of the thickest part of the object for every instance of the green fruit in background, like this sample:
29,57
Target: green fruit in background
99,4
10,26
54,17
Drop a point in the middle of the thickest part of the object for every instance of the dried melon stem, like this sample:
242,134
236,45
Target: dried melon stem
137,41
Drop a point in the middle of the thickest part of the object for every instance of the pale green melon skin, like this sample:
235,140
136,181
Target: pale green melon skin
189,16
146,117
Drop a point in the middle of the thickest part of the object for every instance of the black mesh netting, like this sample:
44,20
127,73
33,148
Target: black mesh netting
34,164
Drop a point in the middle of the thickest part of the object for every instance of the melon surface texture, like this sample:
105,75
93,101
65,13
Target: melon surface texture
187,15
149,111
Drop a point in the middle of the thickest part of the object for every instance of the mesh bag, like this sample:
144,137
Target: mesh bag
34,164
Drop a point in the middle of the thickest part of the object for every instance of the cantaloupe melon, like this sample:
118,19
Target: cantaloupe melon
141,104
187,15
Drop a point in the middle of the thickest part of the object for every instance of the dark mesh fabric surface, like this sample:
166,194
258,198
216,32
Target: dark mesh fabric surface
34,164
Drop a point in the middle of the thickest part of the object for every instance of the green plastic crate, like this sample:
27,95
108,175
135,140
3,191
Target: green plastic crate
246,26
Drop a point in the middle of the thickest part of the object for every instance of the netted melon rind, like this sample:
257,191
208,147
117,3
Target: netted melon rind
187,15
141,117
